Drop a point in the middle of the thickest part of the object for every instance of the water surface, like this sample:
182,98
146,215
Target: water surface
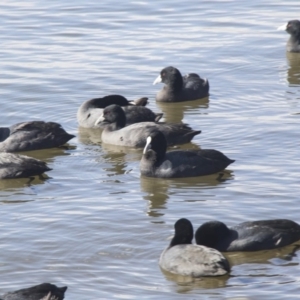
95,224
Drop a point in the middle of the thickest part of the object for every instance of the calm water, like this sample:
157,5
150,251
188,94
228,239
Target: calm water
95,224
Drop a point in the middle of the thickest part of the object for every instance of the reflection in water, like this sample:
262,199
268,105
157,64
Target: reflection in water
174,112
281,257
158,190
293,78
47,155
119,157
277,256
186,284
89,136
293,73
114,155
10,185
117,163
156,194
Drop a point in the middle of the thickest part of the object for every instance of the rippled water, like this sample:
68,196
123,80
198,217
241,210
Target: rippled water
95,224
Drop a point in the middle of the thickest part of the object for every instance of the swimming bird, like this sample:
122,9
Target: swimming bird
20,166
33,135
135,135
183,258
156,162
90,110
248,236
178,88
44,291
293,28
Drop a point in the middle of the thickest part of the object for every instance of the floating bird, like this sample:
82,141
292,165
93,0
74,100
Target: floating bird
183,258
178,88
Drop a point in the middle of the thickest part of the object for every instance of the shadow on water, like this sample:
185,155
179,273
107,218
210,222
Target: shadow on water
174,112
157,190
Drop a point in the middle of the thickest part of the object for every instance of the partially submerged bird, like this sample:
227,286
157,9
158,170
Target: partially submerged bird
183,258
293,28
20,166
44,291
248,236
178,88
135,135
33,135
90,110
157,162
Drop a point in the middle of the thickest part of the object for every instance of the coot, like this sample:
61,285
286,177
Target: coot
34,135
178,88
248,236
183,258
293,28
20,166
90,111
156,162
135,135
44,291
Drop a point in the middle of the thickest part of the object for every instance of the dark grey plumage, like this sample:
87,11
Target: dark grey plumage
293,28
20,166
248,236
34,135
135,135
178,88
184,258
90,111
156,162
44,291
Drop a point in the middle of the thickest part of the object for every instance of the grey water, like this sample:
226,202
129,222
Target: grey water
95,224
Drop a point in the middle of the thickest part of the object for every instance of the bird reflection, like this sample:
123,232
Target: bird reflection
156,194
114,156
174,112
89,136
158,190
281,256
293,73
15,184
47,155
119,158
186,283
293,78
277,256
